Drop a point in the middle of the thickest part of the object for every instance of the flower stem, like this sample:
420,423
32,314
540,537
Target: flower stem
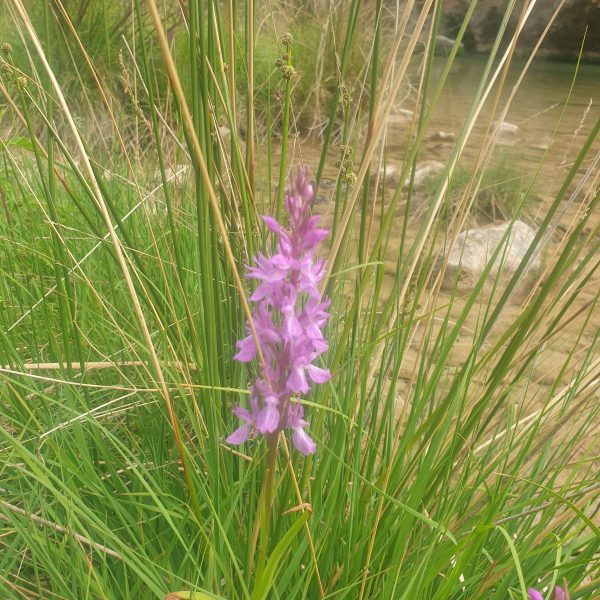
262,522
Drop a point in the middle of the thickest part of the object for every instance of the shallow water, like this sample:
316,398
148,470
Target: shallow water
545,111
552,120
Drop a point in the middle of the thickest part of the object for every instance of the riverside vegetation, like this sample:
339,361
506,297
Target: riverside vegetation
453,442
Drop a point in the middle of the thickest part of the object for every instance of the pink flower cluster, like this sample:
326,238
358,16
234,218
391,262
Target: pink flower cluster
289,318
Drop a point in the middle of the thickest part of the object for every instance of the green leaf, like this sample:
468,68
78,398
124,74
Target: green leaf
266,578
19,142
515,556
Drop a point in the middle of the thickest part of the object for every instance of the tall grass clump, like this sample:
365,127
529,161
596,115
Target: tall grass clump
453,451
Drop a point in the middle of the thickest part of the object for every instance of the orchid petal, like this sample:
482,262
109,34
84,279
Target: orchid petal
268,419
239,436
303,442
317,374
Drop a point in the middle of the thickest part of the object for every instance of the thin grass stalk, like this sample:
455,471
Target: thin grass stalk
430,49
64,296
436,469
264,514
76,267
545,222
45,523
535,305
356,329
48,184
423,94
389,305
352,20
207,273
200,160
515,378
107,102
249,13
77,263
285,126
382,116
410,264
375,58
231,72
206,233
485,148
240,182
341,195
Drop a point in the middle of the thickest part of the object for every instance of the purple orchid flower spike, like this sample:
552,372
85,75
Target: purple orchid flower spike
534,594
289,317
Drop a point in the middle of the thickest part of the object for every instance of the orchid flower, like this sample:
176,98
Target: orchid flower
289,316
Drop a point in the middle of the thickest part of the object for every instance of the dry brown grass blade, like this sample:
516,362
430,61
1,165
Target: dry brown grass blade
95,364
45,523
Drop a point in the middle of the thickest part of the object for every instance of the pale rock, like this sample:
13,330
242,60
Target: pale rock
508,128
473,248
389,173
507,133
446,137
541,144
425,170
